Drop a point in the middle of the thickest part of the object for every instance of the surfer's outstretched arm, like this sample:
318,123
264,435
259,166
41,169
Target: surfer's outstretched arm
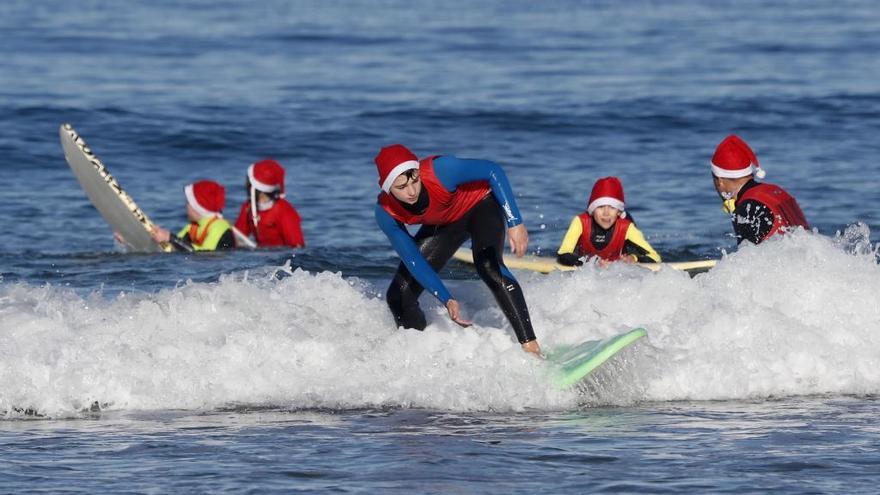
453,171
410,255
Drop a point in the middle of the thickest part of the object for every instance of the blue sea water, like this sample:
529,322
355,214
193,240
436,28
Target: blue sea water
280,371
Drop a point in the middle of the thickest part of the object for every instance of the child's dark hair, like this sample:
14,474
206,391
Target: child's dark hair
247,187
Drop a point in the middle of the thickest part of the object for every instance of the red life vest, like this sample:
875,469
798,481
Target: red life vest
785,209
614,249
444,207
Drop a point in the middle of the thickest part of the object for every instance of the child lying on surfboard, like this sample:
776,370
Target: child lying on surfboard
208,230
605,231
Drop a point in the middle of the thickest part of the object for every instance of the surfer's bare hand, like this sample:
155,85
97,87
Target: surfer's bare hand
629,259
160,235
454,310
519,239
533,347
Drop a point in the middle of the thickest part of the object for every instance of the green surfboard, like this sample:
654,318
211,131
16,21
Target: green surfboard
574,363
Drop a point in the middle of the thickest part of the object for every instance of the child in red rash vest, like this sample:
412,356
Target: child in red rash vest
605,231
266,215
758,210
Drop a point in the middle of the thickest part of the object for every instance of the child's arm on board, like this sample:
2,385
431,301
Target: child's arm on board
637,246
566,255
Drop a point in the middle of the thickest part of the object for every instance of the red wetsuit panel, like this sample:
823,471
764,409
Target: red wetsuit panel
785,209
278,226
614,249
444,207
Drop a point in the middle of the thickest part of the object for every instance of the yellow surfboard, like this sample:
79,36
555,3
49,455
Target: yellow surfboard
545,264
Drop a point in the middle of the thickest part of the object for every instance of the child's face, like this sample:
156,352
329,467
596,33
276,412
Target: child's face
605,216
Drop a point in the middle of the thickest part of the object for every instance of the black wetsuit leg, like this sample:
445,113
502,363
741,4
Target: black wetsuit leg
437,244
486,226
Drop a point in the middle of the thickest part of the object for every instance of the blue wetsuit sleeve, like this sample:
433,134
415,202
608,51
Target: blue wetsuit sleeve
454,171
409,253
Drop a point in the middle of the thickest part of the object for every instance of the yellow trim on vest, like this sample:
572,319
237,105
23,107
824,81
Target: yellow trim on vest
729,205
215,233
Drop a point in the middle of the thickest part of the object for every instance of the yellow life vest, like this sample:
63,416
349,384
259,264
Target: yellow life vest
206,234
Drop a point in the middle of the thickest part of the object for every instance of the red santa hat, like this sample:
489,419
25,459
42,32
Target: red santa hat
734,159
267,176
392,161
607,191
206,197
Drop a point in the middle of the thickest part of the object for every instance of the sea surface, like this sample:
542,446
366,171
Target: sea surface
280,371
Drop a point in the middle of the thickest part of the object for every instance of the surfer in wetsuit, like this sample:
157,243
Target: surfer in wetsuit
758,210
267,215
453,199
207,230
605,231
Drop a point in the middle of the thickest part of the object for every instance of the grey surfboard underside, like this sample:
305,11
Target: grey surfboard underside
115,205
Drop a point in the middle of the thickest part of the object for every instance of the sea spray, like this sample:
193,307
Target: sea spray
794,316
302,341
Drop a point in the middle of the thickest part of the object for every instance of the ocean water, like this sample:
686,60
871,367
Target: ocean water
281,371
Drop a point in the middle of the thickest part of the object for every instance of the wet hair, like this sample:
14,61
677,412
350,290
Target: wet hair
410,173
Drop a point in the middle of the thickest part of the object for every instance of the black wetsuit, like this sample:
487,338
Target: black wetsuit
485,225
752,220
227,241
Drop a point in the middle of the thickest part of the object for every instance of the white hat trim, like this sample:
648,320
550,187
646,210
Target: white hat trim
396,171
731,174
605,201
191,199
260,186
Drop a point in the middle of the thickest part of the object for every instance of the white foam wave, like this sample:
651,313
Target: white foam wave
796,315
307,340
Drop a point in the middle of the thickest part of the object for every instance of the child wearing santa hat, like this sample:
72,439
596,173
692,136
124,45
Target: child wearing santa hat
266,215
605,231
208,230
453,199
758,210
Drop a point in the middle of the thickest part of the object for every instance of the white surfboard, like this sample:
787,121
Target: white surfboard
115,205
